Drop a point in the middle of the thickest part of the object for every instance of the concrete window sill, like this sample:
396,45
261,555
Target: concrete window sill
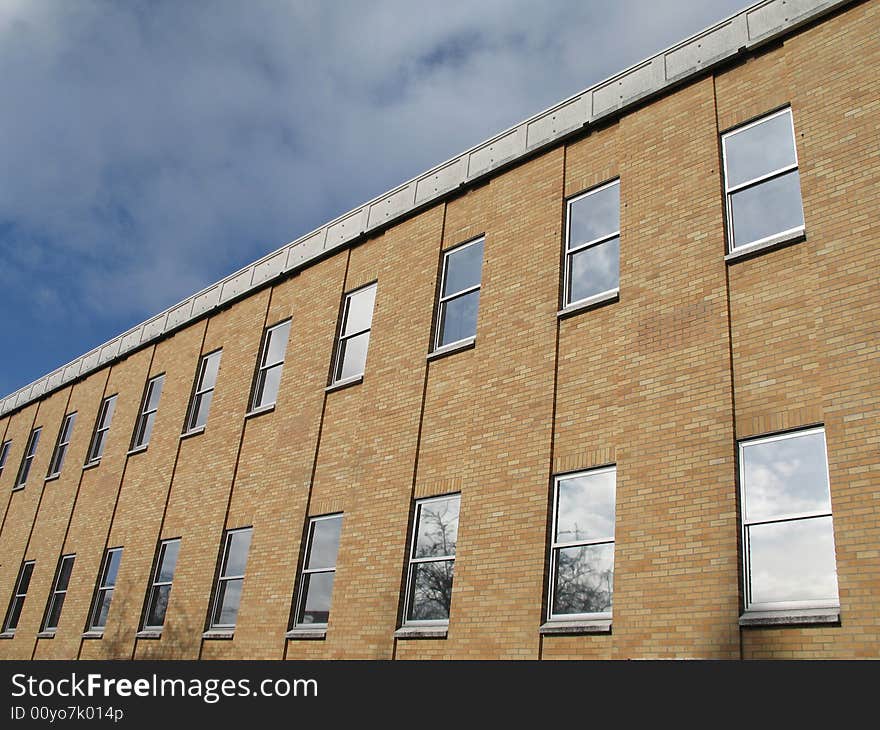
194,432
260,411
93,635
422,632
791,617
149,634
460,346
584,626
753,249
46,635
137,450
589,303
92,464
304,633
7,635
224,634
345,383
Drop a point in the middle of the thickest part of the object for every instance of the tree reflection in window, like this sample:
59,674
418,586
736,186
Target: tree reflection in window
432,561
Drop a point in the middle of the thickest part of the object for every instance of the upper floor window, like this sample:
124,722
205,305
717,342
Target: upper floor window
582,549
61,446
59,593
592,245
28,459
354,334
432,560
788,532
4,454
319,569
761,181
160,589
106,586
230,578
102,427
143,427
16,603
459,294
271,364
203,392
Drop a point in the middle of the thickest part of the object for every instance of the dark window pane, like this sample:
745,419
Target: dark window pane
585,507
464,268
353,356
54,613
458,318
158,605
584,579
146,429
594,270
227,602
437,529
325,543
430,590
170,550
64,574
102,609
14,613
277,344
792,561
25,581
759,150
594,216
202,407
766,209
360,310
317,592
236,557
785,476
108,412
98,449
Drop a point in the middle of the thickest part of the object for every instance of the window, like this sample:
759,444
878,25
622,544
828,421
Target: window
104,595
354,336
27,459
160,589
271,365
582,549
204,391
432,560
761,181
592,245
17,602
4,454
236,544
61,446
102,427
59,591
319,569
143,427
459,294
788,535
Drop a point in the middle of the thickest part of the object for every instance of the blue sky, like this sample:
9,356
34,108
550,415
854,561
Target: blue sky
147,149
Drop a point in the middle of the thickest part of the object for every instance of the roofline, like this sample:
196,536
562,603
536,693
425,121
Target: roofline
739,34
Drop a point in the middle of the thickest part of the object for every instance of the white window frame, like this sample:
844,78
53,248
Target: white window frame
4,454
227,540
730,191
27,459
556,546
56,592
413,561
65,433
749,606
102,427
310,571
442,300
156,583
18,596
103,588
137,442
199,392
343,338
264,367
570,252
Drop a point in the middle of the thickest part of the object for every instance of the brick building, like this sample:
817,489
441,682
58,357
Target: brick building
605,386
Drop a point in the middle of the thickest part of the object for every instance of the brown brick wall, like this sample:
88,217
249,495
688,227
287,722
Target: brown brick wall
695,354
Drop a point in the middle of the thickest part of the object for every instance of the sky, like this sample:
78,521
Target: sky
148,149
